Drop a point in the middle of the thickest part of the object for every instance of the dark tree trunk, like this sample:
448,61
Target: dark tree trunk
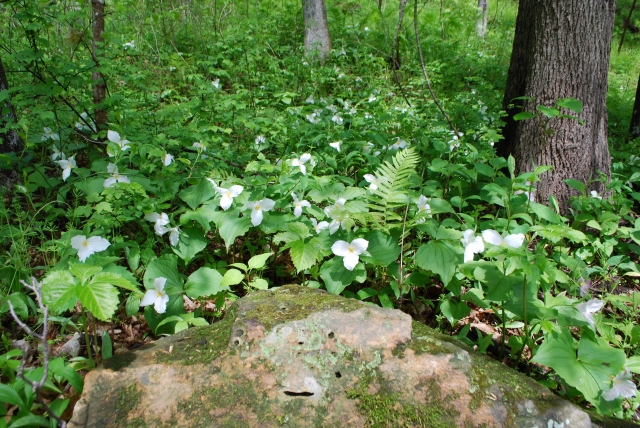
561,49
483,12
634,126
10,139
99,86
316,29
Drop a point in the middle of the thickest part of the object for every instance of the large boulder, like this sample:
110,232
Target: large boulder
300,357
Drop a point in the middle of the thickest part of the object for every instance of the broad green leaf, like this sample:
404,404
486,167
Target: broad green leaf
113,279
166,267
556,232
132,253
571,104
107,346
232,277
575,184
438,258
523,115
454,311
204,282
259,284
197,194
297,228
169,319
232,227
303,255
191,242
10,396
336,277
633,364
511,165
258,261
30,420
498,286
548,111
58,290
73,377
101,299
383,248
17,300
544,212
82,271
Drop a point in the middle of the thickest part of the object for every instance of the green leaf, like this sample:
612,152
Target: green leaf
74,378
383,248
336,277
232,277
590,371
303,255
556,232
548,111
575,184
498,286
107,346
169,319
231,228
204,282
10,396
438,258
511,165
58,290
544,212
101,299
454,311
167,267
259,284
82,271
633,364
258,261
30,420
113,279
191,242
571,104
523,115
197,194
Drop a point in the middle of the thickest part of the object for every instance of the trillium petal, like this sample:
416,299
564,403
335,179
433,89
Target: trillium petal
359,245
468,254
267,204
322,226
225,202
297,211
514,241
76,241
98,243
161,303
113,136
303,169
492,237
333,227
111,168
350,261
159,283
109,182
174,236
149,298
305,204
256,217
340,248
305,157
235,190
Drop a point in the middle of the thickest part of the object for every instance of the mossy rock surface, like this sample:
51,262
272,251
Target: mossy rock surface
298,357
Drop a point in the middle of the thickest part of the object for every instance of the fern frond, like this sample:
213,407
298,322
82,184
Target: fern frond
394,180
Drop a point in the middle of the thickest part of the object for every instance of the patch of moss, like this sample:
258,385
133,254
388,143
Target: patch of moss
128,399
292,302
200,345
383,409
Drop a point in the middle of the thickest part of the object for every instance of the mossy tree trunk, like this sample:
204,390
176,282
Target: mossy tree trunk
316,28
561,49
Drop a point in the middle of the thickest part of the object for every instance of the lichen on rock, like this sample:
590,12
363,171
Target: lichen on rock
299,357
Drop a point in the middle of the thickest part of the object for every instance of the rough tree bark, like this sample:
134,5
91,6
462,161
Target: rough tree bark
99,86
483,12
9,138
316,29
561,49
634,126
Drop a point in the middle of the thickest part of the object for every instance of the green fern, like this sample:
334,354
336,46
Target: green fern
387,202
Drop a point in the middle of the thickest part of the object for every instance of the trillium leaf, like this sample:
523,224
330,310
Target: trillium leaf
454,311
195,195
259,284
437,257
101,299
204,282
113,279
83,271
231,228
383,248
232,277
336,277
258,261
190,243
166,267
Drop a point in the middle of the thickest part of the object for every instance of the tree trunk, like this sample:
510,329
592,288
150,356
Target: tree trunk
634,126
483,12
316,29
10,139
99,86
561,49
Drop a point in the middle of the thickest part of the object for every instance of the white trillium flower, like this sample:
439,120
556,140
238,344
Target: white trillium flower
174,233
336,145
129,45
260,139
399,144
338,205
372,98
87,124
424,209
313,118
56,153
157,297
67,165
199,146
587,309
227,194
310,100
87,246
350,251
375,181
115,177
114,137
594,194
258,207
494,238
49,135
337,119
299,162
167,159
623,387
215,84
472,245
319,227
297,211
